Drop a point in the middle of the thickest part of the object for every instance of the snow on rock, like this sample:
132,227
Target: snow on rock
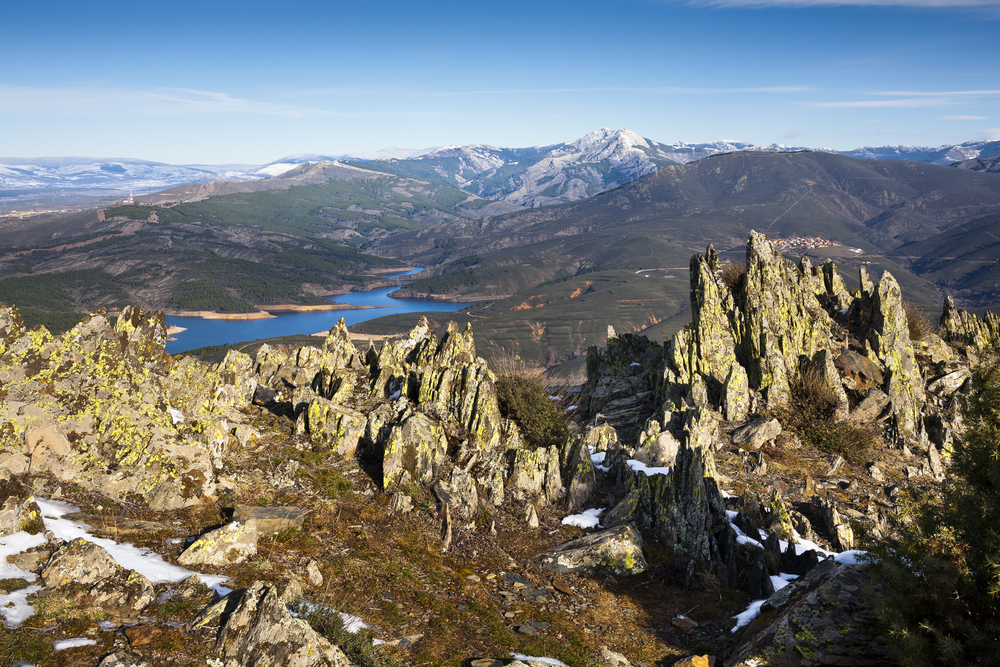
530,658
648,471
752,612
586,519
14,607
63,644
147,563
597,459
177,416
852,557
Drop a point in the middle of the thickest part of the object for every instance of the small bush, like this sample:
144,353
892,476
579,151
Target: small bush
920,327
523,396
812,416
732,274
357,645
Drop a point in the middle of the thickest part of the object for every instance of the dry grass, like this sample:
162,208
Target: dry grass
920,327
812,416
732,274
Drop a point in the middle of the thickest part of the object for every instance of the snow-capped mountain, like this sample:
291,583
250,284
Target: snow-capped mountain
540,175
943,155
117,174
536,176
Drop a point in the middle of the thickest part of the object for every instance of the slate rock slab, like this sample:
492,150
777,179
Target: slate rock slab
617,550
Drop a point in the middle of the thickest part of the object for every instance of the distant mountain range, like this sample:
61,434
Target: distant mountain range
522,177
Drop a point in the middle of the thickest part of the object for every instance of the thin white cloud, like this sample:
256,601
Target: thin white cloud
964,117
992,133
912,99
935,93
657,90
905,103
166,101
918,4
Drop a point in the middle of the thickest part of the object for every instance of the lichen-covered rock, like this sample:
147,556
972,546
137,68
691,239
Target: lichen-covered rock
121,597
124,658
414,451
20,512
870,407
271,520
107,408
233,543
754,434
840,531
823,618
577,473
949,383
260,632
890,339
965,328
334,427
621,383
862,373
535,474
617,550
79,562
781,320
658,450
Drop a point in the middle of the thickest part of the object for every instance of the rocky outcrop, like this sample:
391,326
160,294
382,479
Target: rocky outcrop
98,580
233,543
106,407
824,618
617,550
260,632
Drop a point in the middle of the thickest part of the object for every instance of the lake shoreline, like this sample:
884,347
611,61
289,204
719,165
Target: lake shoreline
265,312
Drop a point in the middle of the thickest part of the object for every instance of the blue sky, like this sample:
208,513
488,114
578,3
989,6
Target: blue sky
254,80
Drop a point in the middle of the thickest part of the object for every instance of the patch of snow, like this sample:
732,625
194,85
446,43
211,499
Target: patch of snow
587,519
14,607
531,658
275,169
571,408
778,582
853,557
752,612
788,577
597,458
107,626
147,563
352,623
648,471
555,398
177,416
15,544
634,363
63,644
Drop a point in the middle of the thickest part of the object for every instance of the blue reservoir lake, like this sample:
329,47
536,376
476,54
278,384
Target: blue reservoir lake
201,332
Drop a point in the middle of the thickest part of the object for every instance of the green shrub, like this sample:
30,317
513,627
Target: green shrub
357,645
526,401
940,570
812,416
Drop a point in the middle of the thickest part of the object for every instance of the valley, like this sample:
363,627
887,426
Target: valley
548,274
